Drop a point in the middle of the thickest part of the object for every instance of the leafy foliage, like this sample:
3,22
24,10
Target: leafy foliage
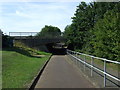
95,29
49,31
107,40
7,41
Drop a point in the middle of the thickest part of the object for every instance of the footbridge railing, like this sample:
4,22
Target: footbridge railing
81,57
31,39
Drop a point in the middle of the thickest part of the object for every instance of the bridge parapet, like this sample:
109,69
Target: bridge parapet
22,33
30,38
29,34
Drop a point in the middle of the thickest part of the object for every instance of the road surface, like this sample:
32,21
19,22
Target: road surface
60,73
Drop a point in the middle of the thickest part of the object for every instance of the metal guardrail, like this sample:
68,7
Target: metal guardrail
31,33
91,65
23,33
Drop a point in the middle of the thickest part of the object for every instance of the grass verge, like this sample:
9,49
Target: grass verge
18,70
101,63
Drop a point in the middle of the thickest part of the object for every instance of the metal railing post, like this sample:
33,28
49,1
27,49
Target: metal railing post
92,66
104,73
76,60
84,62
74,54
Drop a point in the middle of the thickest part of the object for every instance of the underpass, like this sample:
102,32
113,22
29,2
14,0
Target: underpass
47,44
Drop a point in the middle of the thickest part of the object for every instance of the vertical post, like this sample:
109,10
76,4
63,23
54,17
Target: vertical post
76,60
104,73
92,66
84,62
74,55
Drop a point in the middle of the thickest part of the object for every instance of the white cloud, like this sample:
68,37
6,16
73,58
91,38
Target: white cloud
18,13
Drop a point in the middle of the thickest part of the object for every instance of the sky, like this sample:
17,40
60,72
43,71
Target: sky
33,16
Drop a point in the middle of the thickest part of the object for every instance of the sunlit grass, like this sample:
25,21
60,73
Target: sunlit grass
18,70
100,62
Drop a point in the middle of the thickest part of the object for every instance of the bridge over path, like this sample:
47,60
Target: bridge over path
42,43
31,38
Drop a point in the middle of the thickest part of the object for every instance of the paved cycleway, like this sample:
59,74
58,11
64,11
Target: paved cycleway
60,73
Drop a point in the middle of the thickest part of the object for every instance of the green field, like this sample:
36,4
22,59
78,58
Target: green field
18,70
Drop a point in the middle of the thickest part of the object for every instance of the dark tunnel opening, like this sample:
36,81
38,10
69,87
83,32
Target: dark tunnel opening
55,49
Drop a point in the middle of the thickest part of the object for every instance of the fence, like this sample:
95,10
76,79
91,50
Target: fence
77,57
34,34
23,33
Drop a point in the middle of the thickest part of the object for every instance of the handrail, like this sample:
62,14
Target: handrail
70,52
116,62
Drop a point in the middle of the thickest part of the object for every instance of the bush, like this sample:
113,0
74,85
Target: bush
7,41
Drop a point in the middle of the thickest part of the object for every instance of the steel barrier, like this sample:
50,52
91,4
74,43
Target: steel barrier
32,34
91,65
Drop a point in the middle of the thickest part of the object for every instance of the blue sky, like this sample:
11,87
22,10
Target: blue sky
33,16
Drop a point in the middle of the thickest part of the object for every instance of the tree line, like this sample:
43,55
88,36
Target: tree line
46,32
95,29
6,40
49,32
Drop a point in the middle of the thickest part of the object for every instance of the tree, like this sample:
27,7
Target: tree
7,41
89,29
107,36
81,23
68,34
49,31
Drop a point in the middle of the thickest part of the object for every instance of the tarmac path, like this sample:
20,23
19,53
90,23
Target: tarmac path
59,73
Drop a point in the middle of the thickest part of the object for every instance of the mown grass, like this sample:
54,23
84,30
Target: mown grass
18,70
